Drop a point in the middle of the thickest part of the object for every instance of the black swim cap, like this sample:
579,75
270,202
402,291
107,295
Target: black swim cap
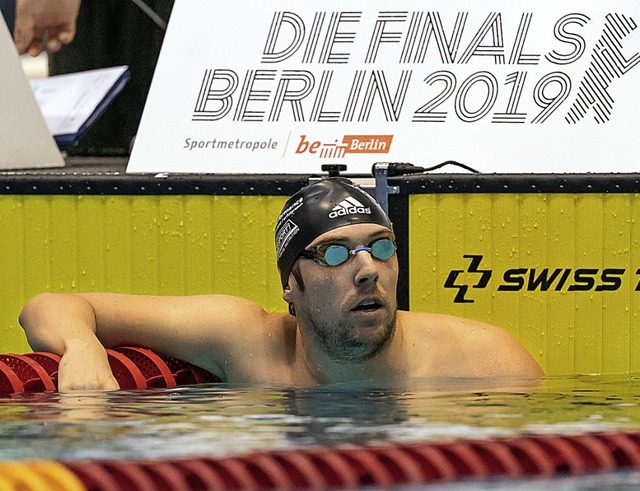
326,205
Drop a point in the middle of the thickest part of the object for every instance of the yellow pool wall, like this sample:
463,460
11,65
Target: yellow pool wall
183,244
568,332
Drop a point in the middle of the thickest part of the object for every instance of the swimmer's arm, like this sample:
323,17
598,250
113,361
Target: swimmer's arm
198,329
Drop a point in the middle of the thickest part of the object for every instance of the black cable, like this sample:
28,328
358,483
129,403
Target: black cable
452,162
402,168
159,21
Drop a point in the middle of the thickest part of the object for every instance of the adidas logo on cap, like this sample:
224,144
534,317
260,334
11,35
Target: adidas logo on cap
349,206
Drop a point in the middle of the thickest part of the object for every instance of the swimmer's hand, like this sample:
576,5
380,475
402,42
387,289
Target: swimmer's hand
85,366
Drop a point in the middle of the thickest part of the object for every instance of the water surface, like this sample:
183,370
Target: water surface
222,420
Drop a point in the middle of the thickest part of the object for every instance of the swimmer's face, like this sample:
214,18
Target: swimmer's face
350,308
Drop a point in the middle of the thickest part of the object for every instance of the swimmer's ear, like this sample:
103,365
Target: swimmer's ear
286,294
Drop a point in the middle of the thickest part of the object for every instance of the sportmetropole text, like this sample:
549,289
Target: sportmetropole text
237,144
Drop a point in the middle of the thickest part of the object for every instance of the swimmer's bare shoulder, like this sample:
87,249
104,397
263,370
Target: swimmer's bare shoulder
457,346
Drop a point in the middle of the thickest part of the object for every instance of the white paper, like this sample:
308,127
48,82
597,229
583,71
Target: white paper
67,101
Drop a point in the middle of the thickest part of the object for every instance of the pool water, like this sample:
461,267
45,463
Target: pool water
225,420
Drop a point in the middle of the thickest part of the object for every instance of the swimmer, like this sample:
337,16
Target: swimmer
339,271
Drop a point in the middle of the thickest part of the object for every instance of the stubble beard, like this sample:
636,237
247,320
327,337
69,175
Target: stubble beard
339,342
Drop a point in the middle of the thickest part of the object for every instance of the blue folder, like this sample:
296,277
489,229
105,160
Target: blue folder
73,139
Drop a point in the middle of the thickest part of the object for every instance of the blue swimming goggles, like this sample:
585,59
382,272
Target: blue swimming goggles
335,254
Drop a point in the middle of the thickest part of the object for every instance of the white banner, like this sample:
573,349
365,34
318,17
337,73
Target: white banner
500,85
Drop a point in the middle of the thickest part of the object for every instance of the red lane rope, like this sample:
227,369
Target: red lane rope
434,464
201,476
95,476
9,380
32,375
306,474
133,368
126,371
381,465
500,460
154,369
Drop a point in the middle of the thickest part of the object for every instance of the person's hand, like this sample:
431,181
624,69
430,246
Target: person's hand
44,21
85,366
